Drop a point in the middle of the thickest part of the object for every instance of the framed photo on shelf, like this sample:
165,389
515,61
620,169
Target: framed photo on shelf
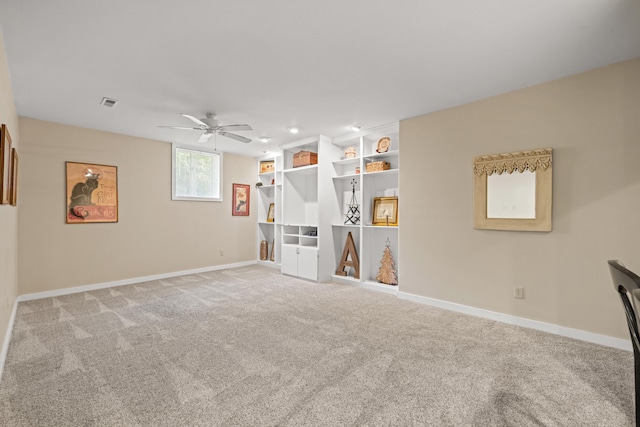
271,212
13,192
92,193
385,211
5,165
241,200
267,166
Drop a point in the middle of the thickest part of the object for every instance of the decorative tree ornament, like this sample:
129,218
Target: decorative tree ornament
387,272
353,211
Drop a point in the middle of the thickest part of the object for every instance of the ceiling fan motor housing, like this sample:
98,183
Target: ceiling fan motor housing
211,120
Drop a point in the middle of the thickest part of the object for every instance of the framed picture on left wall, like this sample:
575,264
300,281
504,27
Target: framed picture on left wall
13,192
5,165
92,193
241,200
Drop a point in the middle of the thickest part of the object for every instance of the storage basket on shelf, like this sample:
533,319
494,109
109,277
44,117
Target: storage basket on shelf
377,166
305,158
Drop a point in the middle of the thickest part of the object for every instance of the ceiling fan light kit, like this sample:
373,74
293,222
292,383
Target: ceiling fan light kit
210,125
264,139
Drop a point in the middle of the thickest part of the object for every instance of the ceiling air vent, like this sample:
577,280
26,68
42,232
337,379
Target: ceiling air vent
108,102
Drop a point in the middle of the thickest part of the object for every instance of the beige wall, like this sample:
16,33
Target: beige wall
8,214
592,121
154,234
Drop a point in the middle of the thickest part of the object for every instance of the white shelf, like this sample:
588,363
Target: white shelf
386,172
378,156
262,187
346,225
302,170
367,284
348,280
387,227
271,264
346,162
348,176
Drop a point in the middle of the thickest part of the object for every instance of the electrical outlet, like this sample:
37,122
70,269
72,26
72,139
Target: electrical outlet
221,252
518,292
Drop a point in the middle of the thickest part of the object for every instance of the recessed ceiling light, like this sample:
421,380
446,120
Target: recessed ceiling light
264,139
355,128
294,129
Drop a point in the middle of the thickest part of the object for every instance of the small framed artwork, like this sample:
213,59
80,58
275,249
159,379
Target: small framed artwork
241,200
92,193
271,212
13,192
385,211
5,165
267,166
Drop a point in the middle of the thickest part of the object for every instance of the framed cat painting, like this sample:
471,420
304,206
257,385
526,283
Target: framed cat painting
92,193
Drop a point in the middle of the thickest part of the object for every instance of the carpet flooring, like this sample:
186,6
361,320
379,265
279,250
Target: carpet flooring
250,347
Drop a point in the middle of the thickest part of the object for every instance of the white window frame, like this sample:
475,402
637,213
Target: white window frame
175,147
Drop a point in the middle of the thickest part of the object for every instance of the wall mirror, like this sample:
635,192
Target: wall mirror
512,191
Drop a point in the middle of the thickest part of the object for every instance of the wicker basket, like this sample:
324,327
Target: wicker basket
377,166
304,158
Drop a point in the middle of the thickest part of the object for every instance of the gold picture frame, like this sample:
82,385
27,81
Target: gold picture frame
92,193
385,211
271,212
538,161
13,192
5,165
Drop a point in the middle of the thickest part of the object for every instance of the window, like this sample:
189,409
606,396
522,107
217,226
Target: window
197,175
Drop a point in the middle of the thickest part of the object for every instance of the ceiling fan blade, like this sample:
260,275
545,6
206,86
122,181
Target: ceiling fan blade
235,127
234,136
179,127
205,137
195,120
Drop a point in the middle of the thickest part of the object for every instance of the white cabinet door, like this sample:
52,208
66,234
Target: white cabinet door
308,263
289,260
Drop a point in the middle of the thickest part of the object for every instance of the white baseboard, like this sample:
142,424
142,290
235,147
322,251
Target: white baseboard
85,288
7,338
521,321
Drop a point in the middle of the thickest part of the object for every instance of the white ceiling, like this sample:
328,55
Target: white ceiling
319,65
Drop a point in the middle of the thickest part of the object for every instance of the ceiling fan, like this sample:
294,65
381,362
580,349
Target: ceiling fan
210,125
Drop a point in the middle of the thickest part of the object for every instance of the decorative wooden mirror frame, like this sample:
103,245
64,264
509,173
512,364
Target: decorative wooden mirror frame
538,161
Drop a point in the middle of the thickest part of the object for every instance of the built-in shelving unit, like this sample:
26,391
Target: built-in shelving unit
312,203
370,240
270,192
306,229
